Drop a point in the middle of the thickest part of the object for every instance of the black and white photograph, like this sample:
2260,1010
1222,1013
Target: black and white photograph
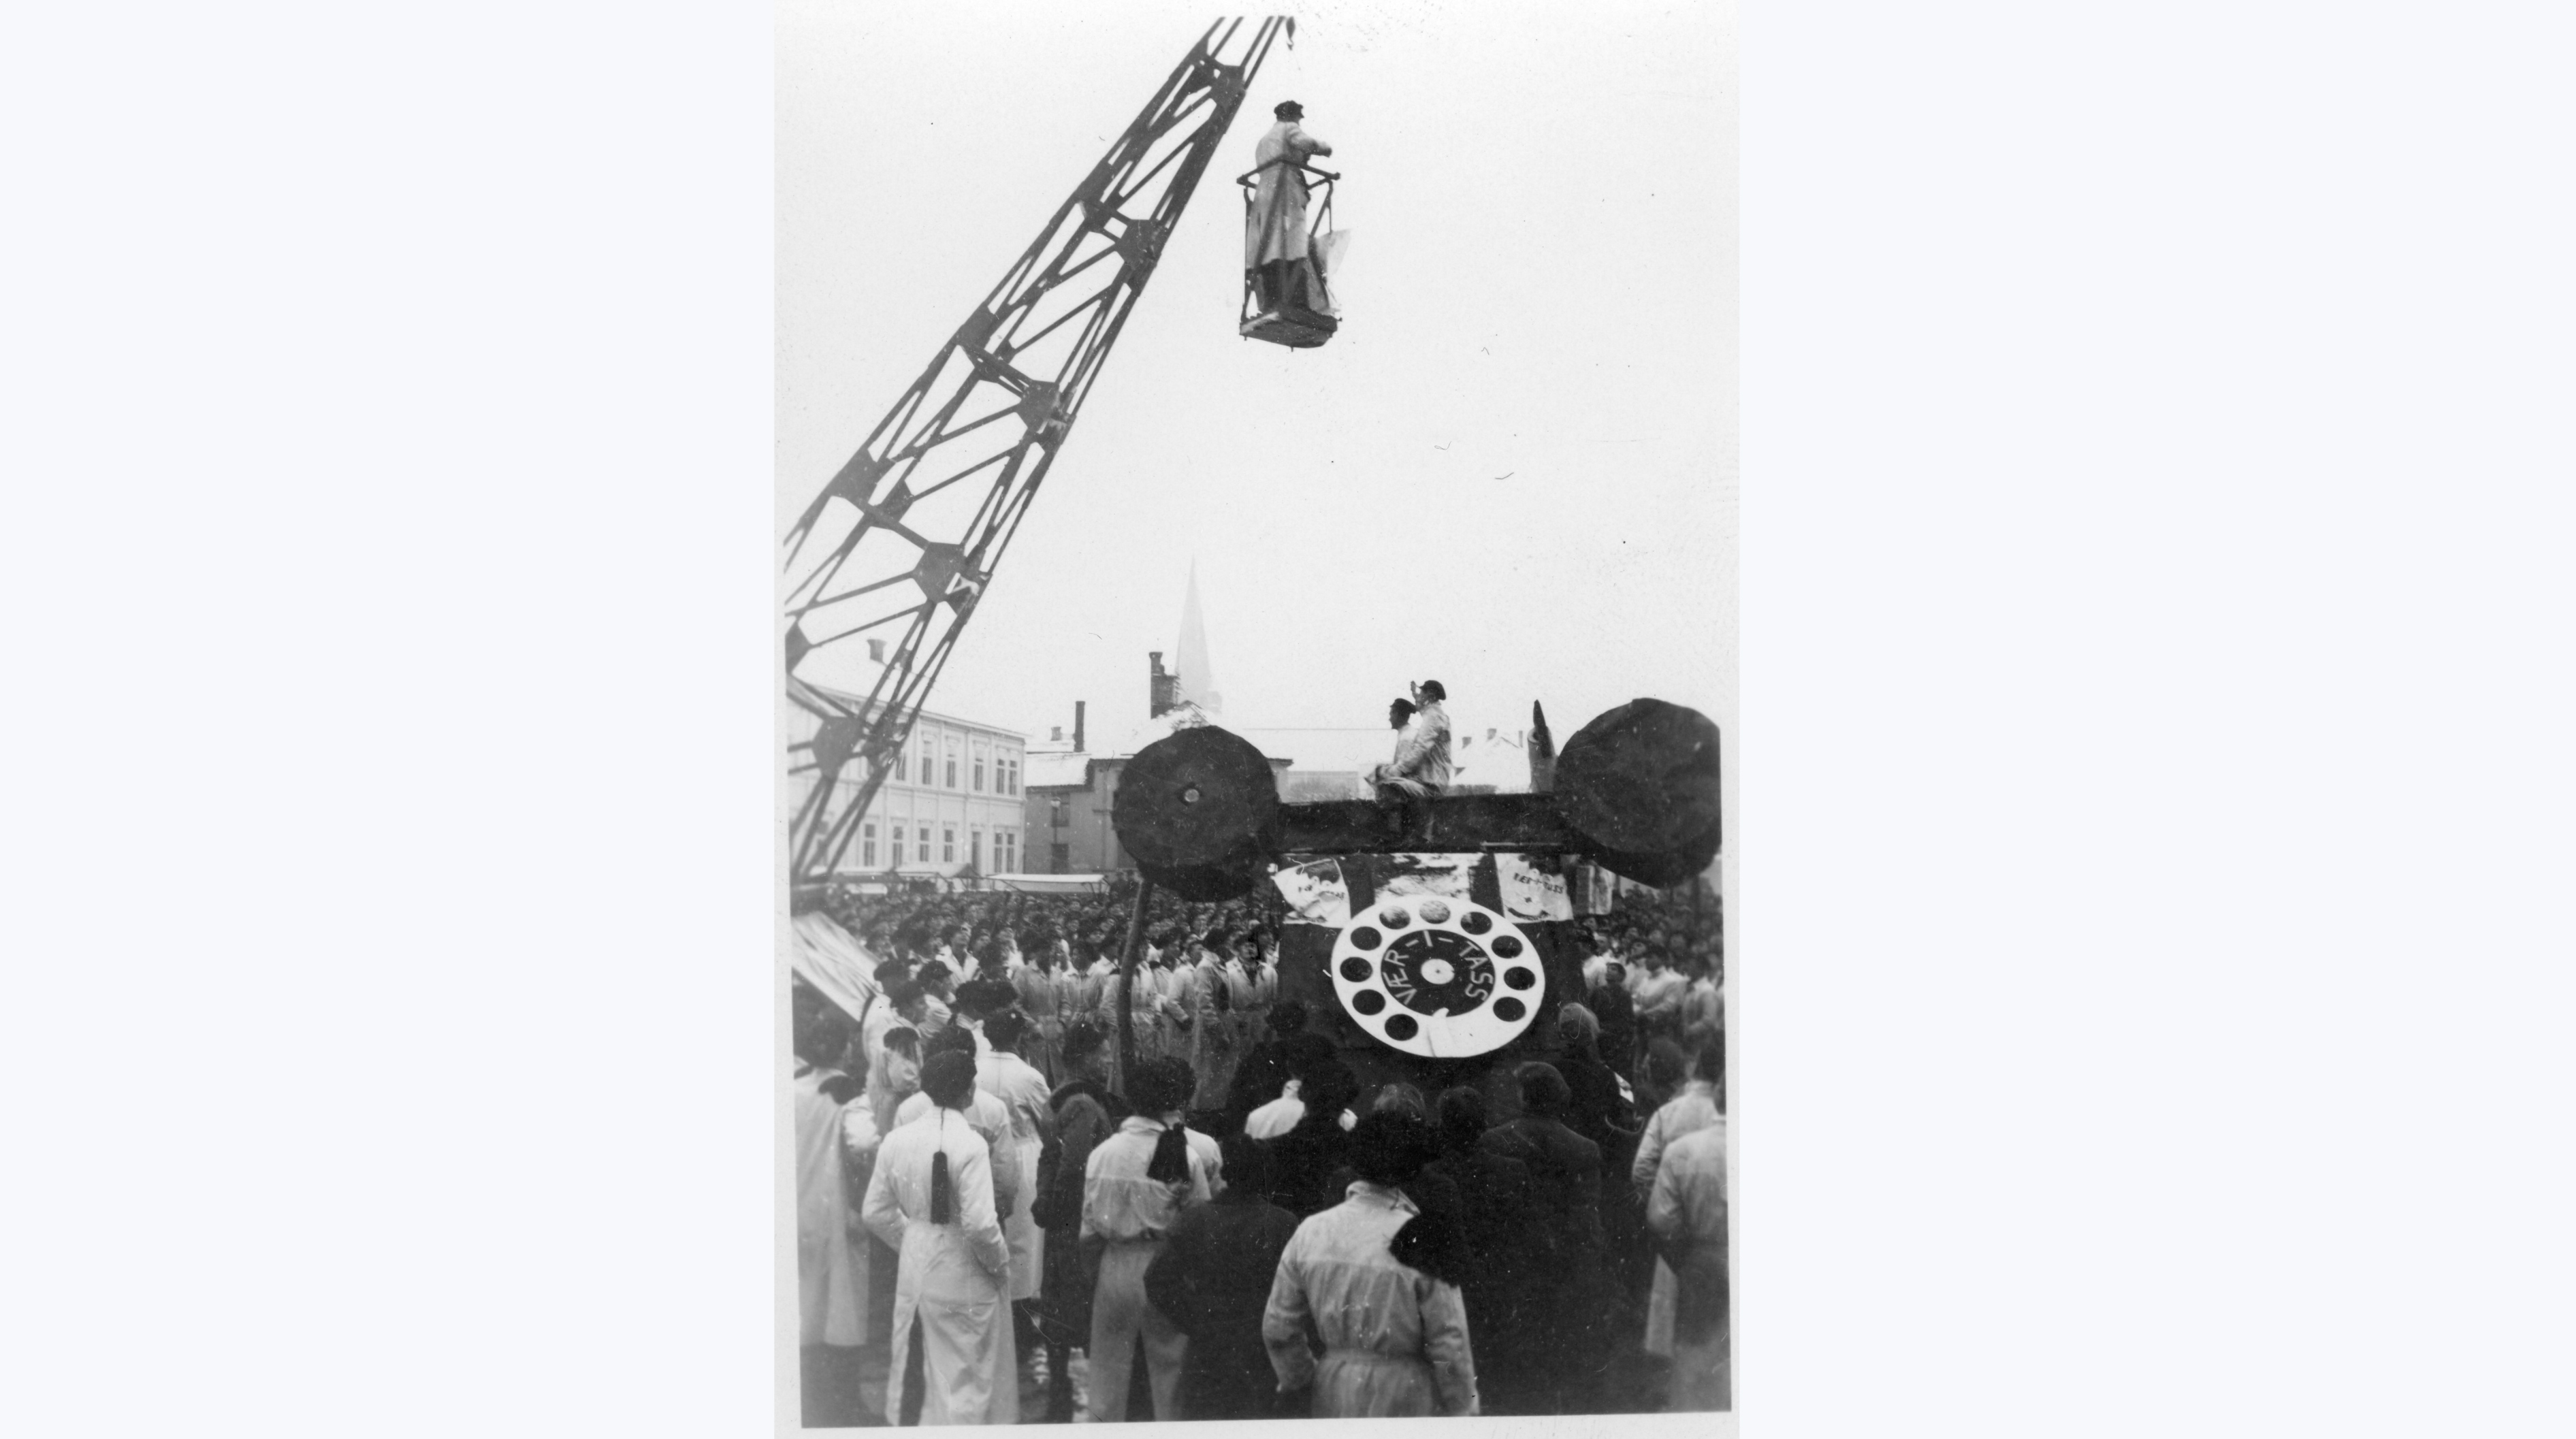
847,713
1258,625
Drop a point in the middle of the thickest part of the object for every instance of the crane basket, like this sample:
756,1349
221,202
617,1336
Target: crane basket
1291,302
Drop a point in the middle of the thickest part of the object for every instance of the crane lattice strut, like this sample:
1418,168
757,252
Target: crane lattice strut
902,542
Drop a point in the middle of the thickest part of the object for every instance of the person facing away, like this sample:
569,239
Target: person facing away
1565,1190
1264,1073
1213,1280
1595,1108
1507,1249
831,1263
1275,254
931,1199
1431,1191
986,1115
1377,1281
1298,1053
1696,1108
1687,1217
1302,1161
1135,1187
1616,1012
1085,1113
1024,1093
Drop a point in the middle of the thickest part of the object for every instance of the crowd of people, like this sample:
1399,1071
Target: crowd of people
1231,1224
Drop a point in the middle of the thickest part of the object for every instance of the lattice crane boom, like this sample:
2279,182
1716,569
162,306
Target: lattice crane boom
903,540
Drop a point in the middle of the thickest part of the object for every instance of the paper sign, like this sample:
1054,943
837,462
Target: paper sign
1316,893
1444,875
1529,892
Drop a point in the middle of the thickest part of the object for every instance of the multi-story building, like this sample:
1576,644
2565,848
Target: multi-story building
954,803
1071,791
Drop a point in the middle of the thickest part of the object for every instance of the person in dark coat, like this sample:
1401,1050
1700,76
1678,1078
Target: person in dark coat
1507,1251
1213,1279
1599,1112
1266,1070
1085,1114
1616,1009
1304,1160
1595,1106
1430,1190
1565,1187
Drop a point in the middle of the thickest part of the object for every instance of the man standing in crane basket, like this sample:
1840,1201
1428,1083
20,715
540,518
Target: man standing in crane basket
1274,236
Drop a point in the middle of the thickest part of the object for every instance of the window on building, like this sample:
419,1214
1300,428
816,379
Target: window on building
1055,814
952,771
899,764
1011,855
1011,776
948,841
979,771
868,846
1060,858
923,832
975,849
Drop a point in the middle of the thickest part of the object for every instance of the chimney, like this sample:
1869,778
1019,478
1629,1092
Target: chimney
1077,726
1161,688
1055,734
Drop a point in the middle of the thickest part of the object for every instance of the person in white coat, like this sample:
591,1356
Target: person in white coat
1687,1217
1395,1334
1274,231
1029,1099
1135,1185
831,1262
1694,1109
931,1198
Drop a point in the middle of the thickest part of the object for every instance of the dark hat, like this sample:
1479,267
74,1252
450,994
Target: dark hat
1289,110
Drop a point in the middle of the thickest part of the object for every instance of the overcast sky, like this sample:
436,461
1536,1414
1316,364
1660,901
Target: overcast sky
1514,468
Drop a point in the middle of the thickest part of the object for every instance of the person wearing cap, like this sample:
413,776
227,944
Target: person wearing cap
1135,1186
1421,764
1274,232
1377,1280
931,1199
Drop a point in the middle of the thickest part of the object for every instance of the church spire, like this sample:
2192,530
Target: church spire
1197,682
